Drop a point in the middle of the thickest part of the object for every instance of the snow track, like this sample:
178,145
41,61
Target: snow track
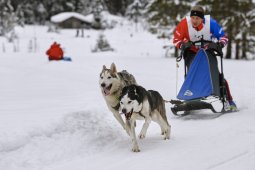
79,133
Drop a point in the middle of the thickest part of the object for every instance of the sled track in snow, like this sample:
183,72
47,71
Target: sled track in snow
69,138
233,158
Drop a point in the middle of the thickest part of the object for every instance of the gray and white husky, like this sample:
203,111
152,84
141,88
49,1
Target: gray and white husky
112,83
137,103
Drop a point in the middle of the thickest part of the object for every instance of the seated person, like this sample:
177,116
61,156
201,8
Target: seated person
194,27
55,52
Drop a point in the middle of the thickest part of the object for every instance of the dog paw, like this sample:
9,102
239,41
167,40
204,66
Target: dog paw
136,149
141,136
166,138
167,134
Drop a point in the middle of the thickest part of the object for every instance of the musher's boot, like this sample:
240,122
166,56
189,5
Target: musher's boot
232,105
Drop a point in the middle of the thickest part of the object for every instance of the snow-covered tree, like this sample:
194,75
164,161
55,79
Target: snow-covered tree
238,21
164,15
41,13
8,17
136,10
246,16
102,44
117,7
167,12
88,7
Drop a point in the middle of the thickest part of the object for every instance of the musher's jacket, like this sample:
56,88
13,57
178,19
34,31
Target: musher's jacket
209,29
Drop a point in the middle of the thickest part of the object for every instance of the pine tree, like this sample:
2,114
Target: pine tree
136,11
8,17
247,18
40,13
117,7
237,21
102,44
166,14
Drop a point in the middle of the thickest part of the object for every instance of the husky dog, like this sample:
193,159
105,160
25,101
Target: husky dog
137,103
112,83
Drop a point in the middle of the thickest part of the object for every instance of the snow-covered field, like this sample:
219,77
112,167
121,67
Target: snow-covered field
53,116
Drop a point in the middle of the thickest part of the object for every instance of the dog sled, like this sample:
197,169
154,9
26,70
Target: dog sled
204,82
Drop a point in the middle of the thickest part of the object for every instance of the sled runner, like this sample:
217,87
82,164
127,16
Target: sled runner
203,80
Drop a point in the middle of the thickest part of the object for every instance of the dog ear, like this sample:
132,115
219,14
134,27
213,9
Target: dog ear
104,67
113,68
134,92
140,91
124,91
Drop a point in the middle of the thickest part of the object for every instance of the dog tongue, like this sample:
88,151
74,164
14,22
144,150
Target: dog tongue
106,92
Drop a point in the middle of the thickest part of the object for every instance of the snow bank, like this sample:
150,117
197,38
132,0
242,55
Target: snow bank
77,134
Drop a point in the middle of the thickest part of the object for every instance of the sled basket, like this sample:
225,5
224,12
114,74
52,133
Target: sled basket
202,80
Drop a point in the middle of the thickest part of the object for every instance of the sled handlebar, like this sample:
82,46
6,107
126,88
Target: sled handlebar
202,43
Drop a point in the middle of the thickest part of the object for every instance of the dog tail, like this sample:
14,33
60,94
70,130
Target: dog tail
162,107
162,111
159,103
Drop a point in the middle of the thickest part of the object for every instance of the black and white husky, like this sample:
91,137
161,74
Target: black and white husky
138,103
112,83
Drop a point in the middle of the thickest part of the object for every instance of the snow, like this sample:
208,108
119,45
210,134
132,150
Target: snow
53,115
66,15
106,16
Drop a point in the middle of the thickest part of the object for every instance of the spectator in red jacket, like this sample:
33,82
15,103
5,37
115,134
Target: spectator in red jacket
55,52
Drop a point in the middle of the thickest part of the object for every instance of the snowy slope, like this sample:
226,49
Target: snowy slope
53,116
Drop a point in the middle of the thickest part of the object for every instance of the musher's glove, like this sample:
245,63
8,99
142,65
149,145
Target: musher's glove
216,47
221,45
186,45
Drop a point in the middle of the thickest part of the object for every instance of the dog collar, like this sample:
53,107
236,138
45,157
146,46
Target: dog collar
128,115
116,107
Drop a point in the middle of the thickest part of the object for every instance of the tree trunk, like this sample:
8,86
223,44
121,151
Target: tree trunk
237,49
229,46
244,45
229,49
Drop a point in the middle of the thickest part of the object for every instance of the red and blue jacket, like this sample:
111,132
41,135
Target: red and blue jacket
183,31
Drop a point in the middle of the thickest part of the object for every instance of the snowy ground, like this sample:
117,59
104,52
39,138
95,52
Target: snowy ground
53,116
